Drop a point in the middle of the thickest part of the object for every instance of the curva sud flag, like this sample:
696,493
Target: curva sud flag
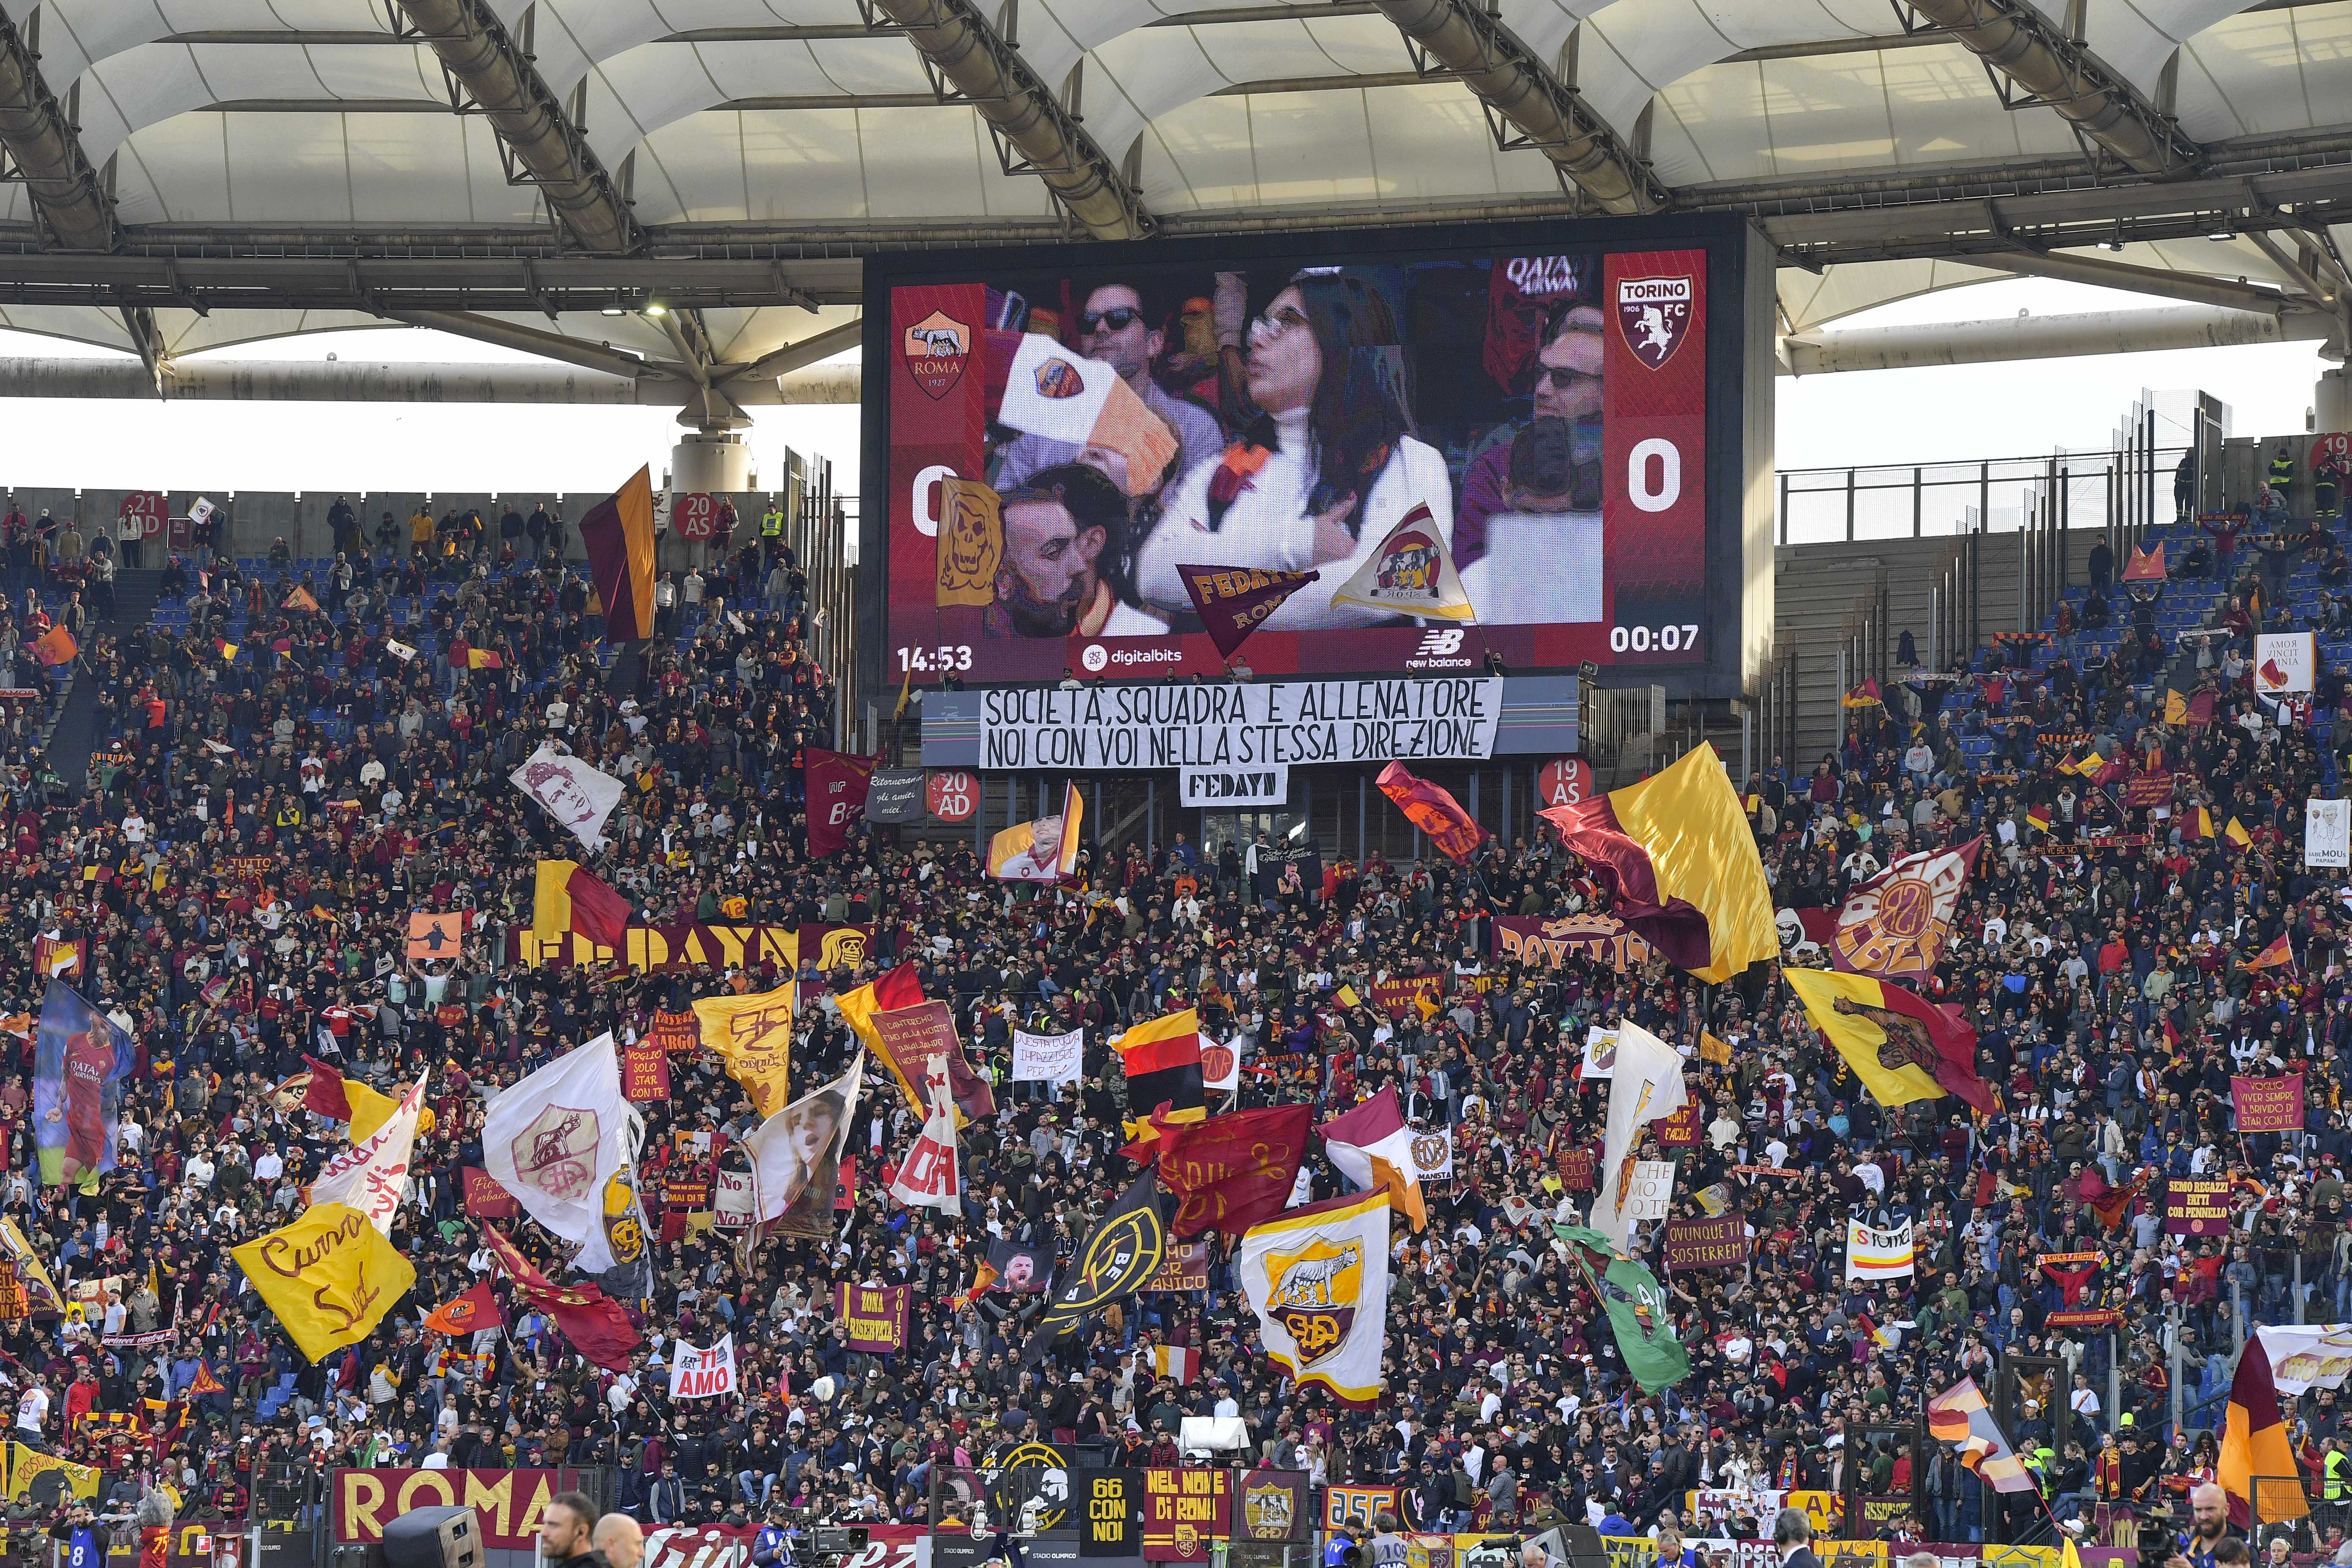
1895,923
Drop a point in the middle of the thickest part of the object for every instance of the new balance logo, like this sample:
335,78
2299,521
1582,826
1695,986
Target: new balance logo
1439,642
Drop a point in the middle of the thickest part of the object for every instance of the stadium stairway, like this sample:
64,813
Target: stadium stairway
73,735
136,591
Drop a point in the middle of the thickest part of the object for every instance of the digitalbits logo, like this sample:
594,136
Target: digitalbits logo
1093,657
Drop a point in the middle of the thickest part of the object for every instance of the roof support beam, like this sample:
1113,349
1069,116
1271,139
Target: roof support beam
968,54
2223,293
2020,48
2049,337
531,341
1546,114
818,346
530,121
75,207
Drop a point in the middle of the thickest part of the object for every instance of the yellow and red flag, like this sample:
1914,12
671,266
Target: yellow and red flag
1452,832
1901,1048
2255,1447
1682,864
2279,954
1161,1059
569,899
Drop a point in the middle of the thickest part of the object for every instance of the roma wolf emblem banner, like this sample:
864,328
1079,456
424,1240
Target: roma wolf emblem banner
1318,1278
1895,923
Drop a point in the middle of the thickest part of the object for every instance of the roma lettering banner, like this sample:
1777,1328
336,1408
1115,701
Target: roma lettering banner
1603,939
2196,1209
1283,721
1185,1512
1693,1243
674,1033
2268,1104
872,1320
510,1503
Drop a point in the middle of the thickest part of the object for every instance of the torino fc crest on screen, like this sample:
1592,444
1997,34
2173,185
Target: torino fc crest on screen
1654,313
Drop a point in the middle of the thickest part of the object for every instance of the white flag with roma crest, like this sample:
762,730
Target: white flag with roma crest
1318,1278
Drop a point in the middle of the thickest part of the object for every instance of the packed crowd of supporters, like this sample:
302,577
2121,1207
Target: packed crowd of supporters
260,822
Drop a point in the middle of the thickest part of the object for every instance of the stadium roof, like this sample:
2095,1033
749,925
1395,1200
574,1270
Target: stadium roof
188,175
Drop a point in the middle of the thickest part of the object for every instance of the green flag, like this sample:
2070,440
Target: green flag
1637,1311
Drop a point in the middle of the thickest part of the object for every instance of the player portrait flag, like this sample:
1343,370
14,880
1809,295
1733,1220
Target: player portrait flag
81,1058
1682,864
796,1157
1637,1308
617,533
1452,832
1960,1415
568,898
1046,850
1233,1171
1235,601
577,794
1901,1048
1896,923
1317,1278
1411,574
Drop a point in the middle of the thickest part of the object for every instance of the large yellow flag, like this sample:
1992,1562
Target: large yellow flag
1902,1047
1683,859
331,1276
754,1035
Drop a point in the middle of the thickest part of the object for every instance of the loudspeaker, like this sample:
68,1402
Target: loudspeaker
434,1538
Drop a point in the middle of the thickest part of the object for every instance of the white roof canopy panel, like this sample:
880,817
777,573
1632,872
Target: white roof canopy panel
309,114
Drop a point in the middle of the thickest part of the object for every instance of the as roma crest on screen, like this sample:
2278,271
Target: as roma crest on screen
1655,315
1314,1293
937,348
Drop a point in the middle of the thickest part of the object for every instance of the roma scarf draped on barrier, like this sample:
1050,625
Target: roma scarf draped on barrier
1682,864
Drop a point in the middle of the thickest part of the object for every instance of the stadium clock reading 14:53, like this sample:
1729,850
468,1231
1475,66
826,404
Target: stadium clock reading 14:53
1514,433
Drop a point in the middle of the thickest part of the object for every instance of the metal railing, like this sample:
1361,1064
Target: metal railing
1952,622
1862,644
1776,706
2129,490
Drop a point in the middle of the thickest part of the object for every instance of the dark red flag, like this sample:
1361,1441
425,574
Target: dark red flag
1235,601
485,1199
598,913
324,1094
1453,830
837,798
1233,1171
594,1323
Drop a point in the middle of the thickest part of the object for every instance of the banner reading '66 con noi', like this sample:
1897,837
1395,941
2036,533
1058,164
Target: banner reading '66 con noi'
661,949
